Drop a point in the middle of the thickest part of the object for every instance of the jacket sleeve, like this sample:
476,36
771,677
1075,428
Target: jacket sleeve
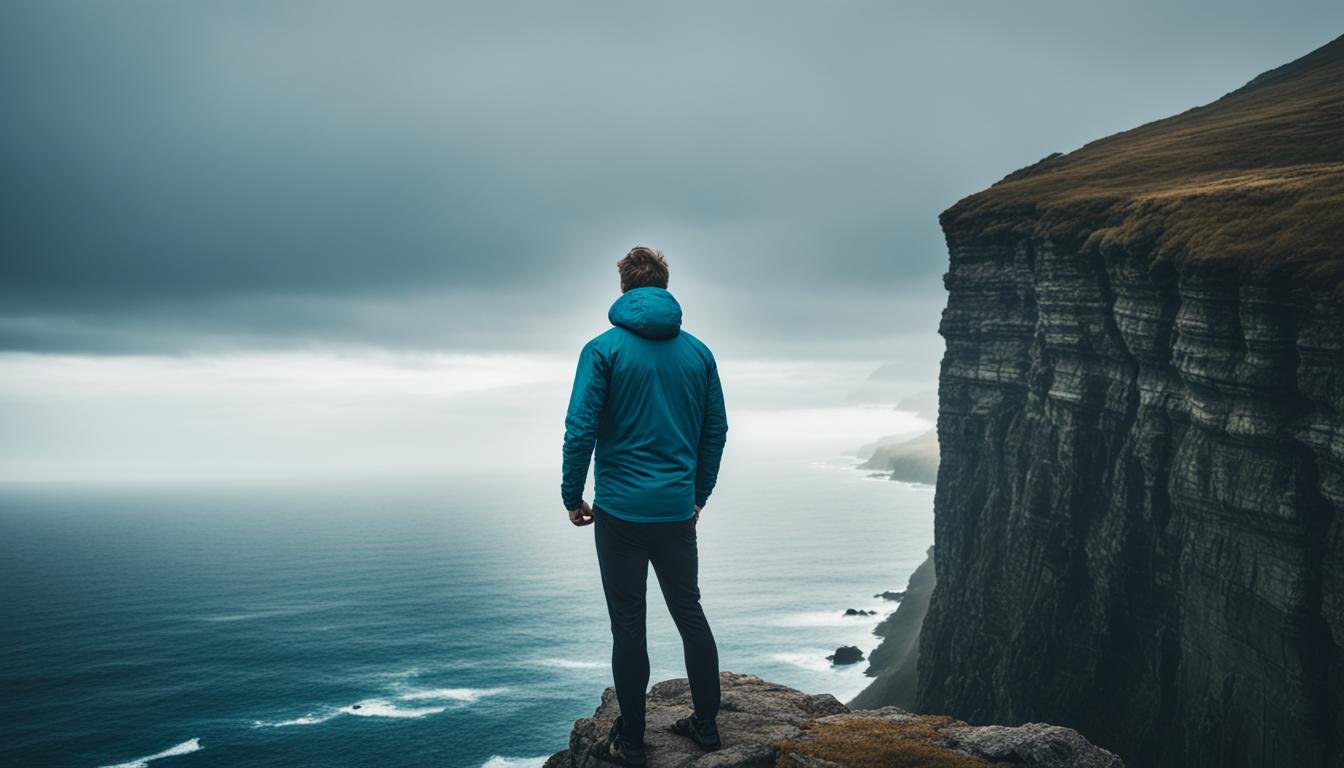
713,435
581,420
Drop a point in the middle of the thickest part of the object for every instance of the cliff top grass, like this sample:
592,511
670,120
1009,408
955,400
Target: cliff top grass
1256,178
859,742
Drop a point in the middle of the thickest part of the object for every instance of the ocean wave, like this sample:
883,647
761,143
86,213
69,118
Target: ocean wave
515,762
252,613
309,719
401,674
185,748
388,706
574,663
231,617
468,695
363,708
417,671
814,661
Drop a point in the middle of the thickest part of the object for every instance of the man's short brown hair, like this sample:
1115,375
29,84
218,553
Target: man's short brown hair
643,267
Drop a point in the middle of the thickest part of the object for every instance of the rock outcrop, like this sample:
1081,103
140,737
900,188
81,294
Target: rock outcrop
1141,420
846,654
764,725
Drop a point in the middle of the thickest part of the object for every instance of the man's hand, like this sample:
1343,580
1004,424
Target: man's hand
581,516
697,515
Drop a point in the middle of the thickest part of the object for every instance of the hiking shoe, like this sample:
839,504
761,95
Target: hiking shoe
615,749
705,733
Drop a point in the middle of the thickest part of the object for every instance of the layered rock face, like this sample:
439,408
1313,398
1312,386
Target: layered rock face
1137,529
765,725
1141,420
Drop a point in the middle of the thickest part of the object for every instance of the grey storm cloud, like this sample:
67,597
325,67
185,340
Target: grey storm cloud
176,176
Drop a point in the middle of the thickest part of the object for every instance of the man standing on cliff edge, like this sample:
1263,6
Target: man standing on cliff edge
647,396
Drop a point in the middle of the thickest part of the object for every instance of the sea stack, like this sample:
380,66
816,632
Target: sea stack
846,654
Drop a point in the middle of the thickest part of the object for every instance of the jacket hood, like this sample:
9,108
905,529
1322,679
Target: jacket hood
650,311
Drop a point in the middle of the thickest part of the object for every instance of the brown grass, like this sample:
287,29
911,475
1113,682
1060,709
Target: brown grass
860,742
1256,177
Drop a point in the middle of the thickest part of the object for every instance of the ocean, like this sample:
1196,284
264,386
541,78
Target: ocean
452,622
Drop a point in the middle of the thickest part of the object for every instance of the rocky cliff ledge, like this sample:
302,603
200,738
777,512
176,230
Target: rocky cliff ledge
1141,421
765,725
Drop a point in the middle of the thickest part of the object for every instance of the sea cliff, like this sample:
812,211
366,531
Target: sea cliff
1141,430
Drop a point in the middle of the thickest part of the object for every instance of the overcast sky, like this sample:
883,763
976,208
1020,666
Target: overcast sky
188,183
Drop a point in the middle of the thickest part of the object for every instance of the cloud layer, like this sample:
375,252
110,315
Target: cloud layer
251,175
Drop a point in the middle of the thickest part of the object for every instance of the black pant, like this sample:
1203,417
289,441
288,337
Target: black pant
624,551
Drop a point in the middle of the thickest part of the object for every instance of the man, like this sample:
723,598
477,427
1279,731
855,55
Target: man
647,395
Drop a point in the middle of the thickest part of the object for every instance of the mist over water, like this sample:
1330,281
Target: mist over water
283,415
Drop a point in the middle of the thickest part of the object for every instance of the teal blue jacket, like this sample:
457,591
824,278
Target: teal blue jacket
647,396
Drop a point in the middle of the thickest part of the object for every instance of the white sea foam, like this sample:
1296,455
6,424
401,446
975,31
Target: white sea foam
515,762
364,708
810,660
308,719
417,671
388,707
468,695
574,663
185,748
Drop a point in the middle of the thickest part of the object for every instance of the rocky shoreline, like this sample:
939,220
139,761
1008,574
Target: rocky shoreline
895,661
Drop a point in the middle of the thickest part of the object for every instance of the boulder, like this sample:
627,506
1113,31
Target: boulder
846,654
